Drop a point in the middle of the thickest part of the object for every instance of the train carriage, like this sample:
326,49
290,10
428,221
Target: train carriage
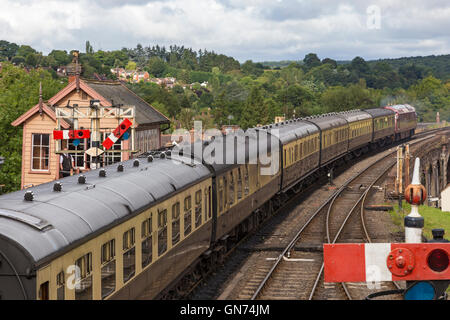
242,185
359,128
300,142
333,136
383,125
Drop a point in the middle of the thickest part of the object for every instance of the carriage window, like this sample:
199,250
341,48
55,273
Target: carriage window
84,273
198,208
129,254
43,291
147,246
108,271
60,295
162,232
220,192
225,191
231,188
246,179
239,185
175,223
187,215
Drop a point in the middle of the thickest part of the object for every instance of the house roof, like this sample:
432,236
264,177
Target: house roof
45,109
116,92
107,92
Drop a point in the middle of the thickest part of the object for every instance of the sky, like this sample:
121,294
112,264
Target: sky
259,30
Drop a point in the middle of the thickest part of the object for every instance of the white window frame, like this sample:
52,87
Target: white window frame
80,154
40,145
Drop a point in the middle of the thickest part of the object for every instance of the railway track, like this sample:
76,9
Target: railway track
211,284
297,272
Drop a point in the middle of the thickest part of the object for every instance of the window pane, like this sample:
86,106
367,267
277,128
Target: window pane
162,241
187,222
36,139
175,223
108,278
84,292
128,264
146,252
45,139
36,164
60,293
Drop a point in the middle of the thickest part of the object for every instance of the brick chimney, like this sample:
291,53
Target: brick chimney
74,70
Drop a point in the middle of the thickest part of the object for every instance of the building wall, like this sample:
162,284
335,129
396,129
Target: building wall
38,124
148,139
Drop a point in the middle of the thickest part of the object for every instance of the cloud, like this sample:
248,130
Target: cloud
245,29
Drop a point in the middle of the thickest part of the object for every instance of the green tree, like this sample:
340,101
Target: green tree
89,48
61,57
24,51
156,67
131,65
7,49
19,91
311,60
254,111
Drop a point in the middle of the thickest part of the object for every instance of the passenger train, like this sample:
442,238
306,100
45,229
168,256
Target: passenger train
132,229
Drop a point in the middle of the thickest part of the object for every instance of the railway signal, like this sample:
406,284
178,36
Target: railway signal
71,134
117,133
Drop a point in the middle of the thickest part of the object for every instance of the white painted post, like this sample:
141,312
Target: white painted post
415,195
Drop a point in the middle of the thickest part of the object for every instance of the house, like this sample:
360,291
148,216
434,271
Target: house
40,163
139,76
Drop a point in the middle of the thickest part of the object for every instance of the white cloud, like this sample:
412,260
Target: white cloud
250,29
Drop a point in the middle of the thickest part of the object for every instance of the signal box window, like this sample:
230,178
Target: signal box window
40,146
147,246
108,268
84,269
129,255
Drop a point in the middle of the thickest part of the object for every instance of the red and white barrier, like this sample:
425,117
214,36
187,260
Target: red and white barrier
371,262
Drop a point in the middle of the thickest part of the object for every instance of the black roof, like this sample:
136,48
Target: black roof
327,121
117,93
379,112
